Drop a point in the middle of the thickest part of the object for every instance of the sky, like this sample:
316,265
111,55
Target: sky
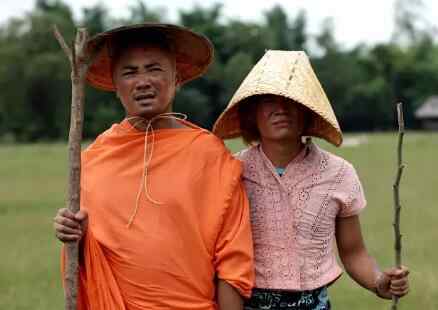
368,21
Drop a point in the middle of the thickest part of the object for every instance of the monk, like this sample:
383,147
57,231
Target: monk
164,219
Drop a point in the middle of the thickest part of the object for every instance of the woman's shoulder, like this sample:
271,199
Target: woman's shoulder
332,158
246,153
337,165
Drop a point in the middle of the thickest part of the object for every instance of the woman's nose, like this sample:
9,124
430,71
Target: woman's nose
280,107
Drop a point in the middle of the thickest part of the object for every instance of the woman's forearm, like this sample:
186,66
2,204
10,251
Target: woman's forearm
362,268
353,253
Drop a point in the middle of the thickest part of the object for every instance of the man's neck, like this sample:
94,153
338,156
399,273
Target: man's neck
281,153
158,123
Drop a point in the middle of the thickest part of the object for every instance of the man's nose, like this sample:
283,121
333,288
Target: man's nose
142,82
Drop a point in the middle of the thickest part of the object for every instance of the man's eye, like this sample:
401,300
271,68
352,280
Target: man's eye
156,69
127,73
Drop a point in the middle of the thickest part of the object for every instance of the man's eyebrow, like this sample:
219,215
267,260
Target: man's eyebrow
130,67
152,64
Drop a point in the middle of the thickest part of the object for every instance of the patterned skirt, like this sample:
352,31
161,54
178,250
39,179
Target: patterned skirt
268,299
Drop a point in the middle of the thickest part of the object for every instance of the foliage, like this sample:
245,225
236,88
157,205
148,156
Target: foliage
363,83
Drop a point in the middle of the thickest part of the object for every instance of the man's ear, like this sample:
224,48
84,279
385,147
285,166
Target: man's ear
177,83
115,86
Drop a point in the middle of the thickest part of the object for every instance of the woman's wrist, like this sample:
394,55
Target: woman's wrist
378,288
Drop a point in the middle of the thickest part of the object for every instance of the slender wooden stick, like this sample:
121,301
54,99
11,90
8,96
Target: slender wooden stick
396,193
79,61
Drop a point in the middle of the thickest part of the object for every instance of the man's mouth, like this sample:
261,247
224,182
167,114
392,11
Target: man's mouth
145,96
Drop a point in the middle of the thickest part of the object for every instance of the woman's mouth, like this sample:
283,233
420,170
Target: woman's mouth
282,122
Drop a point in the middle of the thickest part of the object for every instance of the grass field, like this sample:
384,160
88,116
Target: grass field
33,183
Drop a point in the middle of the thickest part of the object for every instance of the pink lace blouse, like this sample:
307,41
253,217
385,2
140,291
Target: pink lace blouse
293,216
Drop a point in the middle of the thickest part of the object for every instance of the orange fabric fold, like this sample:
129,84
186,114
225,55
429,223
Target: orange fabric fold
170,255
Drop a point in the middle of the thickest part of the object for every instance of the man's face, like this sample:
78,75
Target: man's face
279,119
145,80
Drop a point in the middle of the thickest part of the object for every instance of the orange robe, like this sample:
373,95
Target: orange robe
171,255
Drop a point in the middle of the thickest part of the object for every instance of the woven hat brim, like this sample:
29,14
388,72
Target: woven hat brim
295,80
227,125
193,52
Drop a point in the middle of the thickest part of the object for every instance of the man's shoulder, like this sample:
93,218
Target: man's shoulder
210,148
207,142
100,139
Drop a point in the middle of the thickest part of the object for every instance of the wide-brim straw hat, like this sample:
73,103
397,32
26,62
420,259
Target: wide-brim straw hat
193,52
288,74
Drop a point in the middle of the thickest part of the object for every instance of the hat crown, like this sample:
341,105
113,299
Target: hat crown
273,73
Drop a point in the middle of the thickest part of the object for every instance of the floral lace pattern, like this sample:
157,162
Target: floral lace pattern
293,216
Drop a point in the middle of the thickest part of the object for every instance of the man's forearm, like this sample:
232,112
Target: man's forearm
228,298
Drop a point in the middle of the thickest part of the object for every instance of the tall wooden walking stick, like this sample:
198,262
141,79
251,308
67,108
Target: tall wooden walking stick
80,60
396,193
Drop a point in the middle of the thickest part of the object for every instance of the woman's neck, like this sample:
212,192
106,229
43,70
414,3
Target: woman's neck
281,153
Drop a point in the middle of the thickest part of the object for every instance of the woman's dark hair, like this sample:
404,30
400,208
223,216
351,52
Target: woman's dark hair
248,120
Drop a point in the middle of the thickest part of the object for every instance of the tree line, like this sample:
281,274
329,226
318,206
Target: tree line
363,82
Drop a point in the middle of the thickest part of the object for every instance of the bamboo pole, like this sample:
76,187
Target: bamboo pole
79,61
396,194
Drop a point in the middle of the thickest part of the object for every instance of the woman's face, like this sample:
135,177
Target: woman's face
279,119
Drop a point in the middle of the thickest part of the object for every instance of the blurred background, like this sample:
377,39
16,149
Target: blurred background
368,55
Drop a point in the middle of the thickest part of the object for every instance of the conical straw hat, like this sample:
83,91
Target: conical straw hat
193,52
288,74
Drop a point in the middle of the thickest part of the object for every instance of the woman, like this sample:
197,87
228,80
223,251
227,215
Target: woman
303,199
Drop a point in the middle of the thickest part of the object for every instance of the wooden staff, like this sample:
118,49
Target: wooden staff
396,193
79,60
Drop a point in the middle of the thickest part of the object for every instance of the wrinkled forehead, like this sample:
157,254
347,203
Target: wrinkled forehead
268,98
144,52
122,45
270,102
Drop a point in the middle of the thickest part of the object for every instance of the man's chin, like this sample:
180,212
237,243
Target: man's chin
147,110
148,114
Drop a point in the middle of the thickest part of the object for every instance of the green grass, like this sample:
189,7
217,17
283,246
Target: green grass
33,183
32,186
